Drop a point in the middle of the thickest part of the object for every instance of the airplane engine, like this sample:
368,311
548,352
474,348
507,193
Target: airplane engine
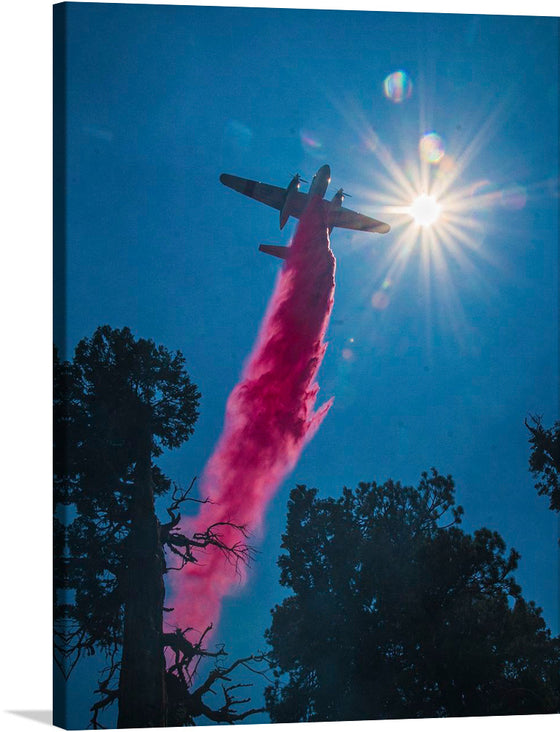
335,204
337,199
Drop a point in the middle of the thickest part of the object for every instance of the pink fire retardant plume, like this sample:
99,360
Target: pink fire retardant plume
269,418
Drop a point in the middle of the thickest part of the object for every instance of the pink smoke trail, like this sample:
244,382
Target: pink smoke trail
269,418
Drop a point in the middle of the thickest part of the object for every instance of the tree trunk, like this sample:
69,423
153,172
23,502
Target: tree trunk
142,674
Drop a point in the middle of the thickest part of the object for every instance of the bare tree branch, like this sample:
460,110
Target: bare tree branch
186,702
178,497
109,695
234,552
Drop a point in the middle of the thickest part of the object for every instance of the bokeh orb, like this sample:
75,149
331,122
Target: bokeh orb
431,148
397,86
238,134
380,300
447,166
371,142
309,140
311,143
514,198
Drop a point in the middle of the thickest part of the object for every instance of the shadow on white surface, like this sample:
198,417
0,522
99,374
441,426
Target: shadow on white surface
44,716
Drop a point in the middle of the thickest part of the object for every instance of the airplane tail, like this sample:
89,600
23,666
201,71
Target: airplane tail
275,251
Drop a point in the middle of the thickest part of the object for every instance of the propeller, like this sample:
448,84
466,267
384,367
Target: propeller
344,194
299,177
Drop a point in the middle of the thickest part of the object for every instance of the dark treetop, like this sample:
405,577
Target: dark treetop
397,612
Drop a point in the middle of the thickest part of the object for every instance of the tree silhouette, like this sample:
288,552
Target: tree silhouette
117,405
544,461
396,612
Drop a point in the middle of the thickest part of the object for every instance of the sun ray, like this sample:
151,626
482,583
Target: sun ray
487,130
449,241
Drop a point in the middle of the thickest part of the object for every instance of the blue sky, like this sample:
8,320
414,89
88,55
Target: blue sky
459,344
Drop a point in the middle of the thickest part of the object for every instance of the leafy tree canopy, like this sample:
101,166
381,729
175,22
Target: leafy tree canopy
544,462
117,395
397,612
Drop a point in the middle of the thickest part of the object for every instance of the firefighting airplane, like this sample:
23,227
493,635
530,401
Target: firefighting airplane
291,201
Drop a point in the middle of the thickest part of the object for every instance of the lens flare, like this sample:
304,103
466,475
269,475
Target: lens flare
447,167
312,144
380,300
514,198
425,210
238,134
442,217
397,86
480,187
370,143
431,148
309,141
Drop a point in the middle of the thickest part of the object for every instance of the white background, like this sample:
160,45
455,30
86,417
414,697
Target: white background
25,355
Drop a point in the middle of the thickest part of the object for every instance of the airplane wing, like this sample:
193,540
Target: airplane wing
344,218
270,195
274,196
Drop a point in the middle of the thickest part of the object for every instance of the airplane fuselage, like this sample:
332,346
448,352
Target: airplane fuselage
318,187
320,182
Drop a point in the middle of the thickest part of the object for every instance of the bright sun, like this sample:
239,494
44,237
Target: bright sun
425,210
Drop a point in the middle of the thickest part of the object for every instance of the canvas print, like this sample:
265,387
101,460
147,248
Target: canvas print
307,440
